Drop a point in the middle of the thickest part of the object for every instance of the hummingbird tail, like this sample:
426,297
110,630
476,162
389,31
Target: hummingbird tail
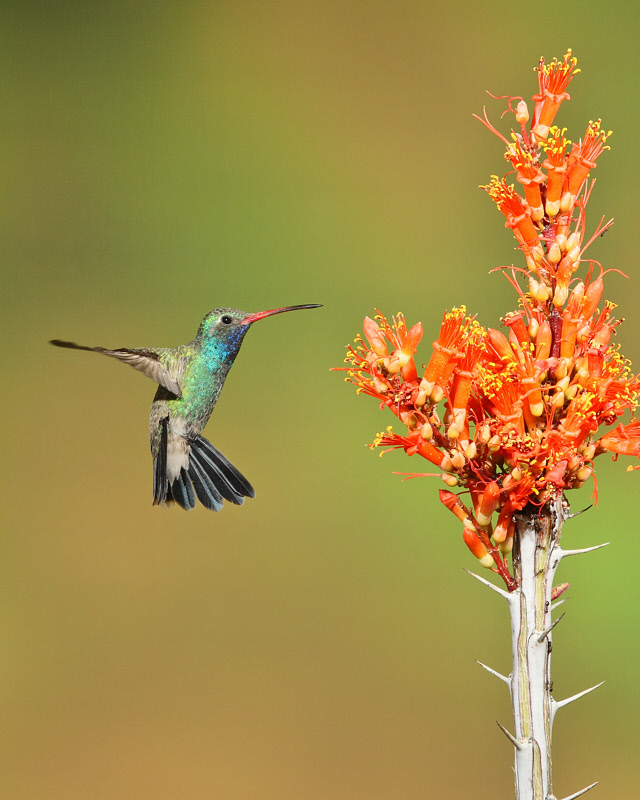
213,477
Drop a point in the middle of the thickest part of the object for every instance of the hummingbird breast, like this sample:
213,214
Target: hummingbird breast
201,381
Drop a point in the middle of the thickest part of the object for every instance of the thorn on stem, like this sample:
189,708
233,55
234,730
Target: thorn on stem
559,603
562,553
518,745
548,630
582,791
577,513
567,700
493,672
495,588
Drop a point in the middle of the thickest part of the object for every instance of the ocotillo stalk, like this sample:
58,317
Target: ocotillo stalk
536,556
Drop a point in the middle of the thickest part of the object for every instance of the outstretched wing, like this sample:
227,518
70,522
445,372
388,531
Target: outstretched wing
146,361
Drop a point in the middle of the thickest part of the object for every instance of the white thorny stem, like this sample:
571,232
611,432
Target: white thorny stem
536,556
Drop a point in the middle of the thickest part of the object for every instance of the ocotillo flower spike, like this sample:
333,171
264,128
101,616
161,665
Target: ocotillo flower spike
515,417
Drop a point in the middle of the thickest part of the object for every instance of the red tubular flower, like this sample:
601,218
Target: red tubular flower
569,332
515,322
453,333
553,80
529,175
478,549
461,392
453,503
531,385
503,398
474,346
510,204
431,453
412,444
402,358
489,501
624,440
505,522
555,475
584,157
556,165
565,270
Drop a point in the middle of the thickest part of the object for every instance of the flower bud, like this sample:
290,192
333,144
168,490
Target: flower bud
543,293
447,466
584,474
571,391
484,434
558,590
494,444
583,333
560,295
555,254
574,461
592,297
573,240
522,113
543,341
395,363
561,369
380,386
437,394
507,546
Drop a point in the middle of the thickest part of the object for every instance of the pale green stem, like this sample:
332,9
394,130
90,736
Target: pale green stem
536,556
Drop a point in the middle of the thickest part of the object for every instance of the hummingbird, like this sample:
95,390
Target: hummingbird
190,378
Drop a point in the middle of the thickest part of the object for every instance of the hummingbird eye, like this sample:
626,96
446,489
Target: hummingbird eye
226,319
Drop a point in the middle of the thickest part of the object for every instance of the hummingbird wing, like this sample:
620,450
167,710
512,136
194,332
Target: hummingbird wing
145,360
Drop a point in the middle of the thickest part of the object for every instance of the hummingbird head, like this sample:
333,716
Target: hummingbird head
229,325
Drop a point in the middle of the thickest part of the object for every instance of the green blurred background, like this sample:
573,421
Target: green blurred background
165,158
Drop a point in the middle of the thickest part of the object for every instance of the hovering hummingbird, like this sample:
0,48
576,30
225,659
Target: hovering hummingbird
190,379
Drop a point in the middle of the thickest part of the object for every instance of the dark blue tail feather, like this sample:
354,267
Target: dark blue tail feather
210,474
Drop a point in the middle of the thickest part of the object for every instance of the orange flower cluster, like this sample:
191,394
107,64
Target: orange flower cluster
513,417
